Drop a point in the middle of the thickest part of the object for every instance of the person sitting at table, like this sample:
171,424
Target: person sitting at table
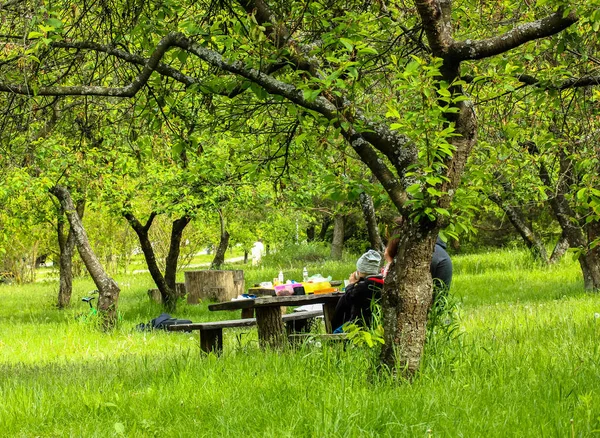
440,266
364,287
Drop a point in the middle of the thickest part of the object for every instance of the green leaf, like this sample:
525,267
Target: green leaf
367,51
178,147
54,22
258,91
119,428
347,43
413,189
182,56
310,95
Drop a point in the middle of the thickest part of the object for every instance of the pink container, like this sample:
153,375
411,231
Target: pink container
283,290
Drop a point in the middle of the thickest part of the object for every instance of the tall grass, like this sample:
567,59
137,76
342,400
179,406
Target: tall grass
524,362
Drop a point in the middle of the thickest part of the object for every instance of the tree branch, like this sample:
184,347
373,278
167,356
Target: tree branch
83,90
276,31
132,58
529,80
585,81
9,3
273,86
520,35
435,15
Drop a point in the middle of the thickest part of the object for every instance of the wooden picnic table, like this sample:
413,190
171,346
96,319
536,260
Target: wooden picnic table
271,329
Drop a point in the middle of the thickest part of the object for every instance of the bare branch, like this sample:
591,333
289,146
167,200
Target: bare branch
161,68
9,3
584,81
83,90
520,35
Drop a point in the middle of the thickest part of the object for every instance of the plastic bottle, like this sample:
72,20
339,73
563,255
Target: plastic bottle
305,274
280,277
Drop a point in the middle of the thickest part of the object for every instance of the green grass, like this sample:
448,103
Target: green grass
525,363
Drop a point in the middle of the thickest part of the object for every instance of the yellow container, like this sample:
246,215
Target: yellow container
311,288
327,290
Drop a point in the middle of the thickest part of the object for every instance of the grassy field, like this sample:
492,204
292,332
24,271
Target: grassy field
524,362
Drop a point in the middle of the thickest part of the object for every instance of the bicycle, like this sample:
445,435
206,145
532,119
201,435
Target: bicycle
92,313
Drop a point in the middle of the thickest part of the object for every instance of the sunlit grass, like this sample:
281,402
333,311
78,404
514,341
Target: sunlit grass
525,362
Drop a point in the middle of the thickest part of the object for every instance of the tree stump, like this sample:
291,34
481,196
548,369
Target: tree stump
213,285
180,288
271,331
154,294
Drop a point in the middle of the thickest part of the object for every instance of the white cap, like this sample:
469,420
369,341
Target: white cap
368,263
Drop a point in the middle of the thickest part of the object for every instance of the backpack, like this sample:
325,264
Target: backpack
162,322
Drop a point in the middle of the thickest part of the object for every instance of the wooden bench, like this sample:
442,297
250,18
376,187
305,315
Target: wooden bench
211,333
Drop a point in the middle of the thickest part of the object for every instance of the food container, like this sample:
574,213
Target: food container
327,290
283,290
311,288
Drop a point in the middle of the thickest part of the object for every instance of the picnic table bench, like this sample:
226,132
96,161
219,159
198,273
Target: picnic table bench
211,333
271,327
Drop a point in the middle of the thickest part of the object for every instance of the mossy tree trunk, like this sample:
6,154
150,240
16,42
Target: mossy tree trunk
107,287
337,244
66,245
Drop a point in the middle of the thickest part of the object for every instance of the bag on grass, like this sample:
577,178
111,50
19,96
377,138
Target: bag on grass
162,322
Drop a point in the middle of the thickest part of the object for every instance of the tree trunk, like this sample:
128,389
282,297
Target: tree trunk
166,283
108,290
589,259
337,245
245,256
66,245
324,227
310,233
406,299
223,244
368,209
220,253
516,218
559,250
591,272
174,250
590,269
31,259
408,293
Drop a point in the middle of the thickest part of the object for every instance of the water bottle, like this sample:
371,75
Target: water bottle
280,277
305,275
